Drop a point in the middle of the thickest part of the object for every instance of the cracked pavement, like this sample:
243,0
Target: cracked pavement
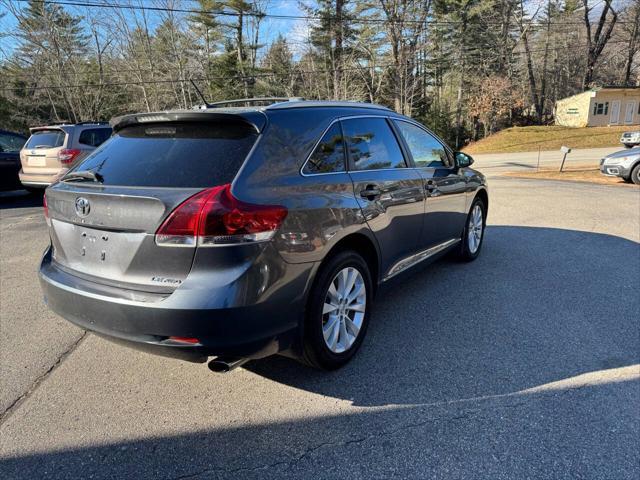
523,364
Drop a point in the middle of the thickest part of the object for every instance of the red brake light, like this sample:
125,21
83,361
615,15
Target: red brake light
189,340
68,155
215,217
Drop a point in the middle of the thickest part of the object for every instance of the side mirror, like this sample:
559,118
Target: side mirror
463,160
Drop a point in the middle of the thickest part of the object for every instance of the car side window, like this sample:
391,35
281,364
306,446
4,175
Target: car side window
329,155
94,137
372,144
11,143
425,149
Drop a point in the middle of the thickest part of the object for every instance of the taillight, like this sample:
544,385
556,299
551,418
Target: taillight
186,340
68,155
215,217
45,207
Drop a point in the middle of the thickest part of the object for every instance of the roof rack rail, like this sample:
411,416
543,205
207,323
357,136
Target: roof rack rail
327,103
255,100
92,123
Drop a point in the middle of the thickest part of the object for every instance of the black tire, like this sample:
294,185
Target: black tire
628,145
635,174
316,351
465,253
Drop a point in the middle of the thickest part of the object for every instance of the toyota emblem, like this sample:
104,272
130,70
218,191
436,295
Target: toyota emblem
83,207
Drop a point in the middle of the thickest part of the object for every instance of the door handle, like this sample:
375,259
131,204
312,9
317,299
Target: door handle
430,187
371,192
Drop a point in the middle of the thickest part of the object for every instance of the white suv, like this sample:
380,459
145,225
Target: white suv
52,150
630,139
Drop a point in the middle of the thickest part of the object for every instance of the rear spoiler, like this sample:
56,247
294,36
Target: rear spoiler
51,127
253,118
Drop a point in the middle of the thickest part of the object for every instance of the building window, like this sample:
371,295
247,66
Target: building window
601,108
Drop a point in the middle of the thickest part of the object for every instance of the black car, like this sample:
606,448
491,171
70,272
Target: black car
245,232
10,145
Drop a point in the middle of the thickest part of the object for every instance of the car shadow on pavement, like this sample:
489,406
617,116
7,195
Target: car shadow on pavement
588,433
445,374
539,305
20,199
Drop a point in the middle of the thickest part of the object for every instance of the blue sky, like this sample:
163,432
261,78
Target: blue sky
294,30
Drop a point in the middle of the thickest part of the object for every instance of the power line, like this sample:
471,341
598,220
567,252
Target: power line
254,14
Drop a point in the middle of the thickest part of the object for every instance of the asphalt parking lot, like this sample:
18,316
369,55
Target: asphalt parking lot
523,364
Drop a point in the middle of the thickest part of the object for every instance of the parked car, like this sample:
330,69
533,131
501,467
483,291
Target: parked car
52,150
630,139
10,145
624,164
245,232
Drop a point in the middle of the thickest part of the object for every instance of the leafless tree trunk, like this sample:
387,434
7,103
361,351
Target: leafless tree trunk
599,39
634,43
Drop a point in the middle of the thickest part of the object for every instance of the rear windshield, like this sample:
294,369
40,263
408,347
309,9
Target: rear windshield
184,155
10,142
46,139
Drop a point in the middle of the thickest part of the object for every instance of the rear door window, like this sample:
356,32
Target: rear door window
329,155
185,155
371,144
46,139
94,137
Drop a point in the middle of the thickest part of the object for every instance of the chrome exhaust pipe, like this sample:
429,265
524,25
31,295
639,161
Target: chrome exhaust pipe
224,365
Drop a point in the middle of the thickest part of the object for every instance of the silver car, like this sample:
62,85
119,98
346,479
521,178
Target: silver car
624,164
52,150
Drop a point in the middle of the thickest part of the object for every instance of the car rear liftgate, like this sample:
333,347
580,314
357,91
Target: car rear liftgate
111,232
105,223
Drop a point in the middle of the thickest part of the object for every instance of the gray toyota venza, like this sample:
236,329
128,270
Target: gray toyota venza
242,232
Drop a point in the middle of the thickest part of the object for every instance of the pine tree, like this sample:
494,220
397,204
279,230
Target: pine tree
332,40
278,63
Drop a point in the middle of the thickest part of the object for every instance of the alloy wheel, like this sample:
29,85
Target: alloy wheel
476,225
344,309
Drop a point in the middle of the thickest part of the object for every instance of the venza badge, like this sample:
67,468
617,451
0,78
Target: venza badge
83,207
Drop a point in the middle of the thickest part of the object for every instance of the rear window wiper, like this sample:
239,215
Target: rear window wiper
81,175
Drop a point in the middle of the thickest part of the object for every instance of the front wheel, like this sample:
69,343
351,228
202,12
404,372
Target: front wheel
635,174
628,145
473,231
338,312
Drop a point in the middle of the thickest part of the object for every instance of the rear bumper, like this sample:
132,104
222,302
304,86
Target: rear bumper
37,180
145,320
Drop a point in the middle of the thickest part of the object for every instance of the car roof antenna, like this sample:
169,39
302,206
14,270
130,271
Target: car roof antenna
206,104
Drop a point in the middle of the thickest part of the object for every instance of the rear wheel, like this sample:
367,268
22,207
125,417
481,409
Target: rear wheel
473,231
338,311
635,174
